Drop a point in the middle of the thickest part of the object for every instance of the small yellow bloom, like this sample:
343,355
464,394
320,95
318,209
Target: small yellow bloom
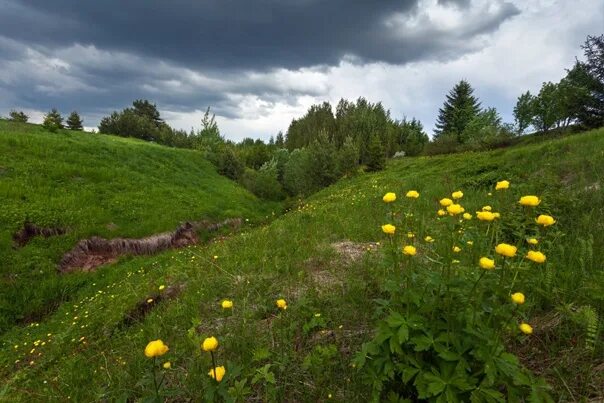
227,304
467,216
156,348
531,201
455,261
486,263
429,239
441,212
445,202
210,344
532,241
456,249
526,328
506,250
545,220
388,229
455,209
161,287
215,257
167,365
487,208
281,304
518,298
409,250
485,215
410,235
220,371
535,256
150,300
389,197
470,243
502,185
496,215
412,194
457,195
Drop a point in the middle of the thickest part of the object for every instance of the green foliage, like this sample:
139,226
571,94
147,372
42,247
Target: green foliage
18,116
459,109
348,158
264,183
53,121
376,160
524,112
74,122
302,132
297,173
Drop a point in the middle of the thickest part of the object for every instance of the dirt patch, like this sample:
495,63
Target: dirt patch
30,230
91,253
351,252
145,306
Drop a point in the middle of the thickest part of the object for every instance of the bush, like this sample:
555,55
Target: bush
53,121
263,183
18,116
298,174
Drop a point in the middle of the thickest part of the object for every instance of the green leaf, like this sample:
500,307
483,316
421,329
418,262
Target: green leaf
422,343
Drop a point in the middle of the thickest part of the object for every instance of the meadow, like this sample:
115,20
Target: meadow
326,305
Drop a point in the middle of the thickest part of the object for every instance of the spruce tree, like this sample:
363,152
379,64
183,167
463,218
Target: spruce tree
460,107
53,120
74,122
376,159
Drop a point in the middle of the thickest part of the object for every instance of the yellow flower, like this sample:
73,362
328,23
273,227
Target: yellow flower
410,235
532,241
455,209
457,195
496,215
486,263
487,208
150,300
470,243
518,298
535,256
413,194
167,365
506,250
526,328
429,239
545,220
456,249
467,216
388,229
445,202
220,371
281,304
156,348
409,250
441,212
210,344
485,215
502,185
389,197
161,287
531,201
227,304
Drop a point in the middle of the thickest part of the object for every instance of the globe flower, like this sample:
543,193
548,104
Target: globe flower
227,304
429,239
218,374
389,197
210,344
457,195
502,185
535,256
531,201
445,202
161,287
487,208
455,209
486,263
532,241
485,215
526,328
467,216
156,348
167,365
545,220
412,194
441,212
506,250
496,215
409,250
518,298
456,249
470,243
281,304
388,229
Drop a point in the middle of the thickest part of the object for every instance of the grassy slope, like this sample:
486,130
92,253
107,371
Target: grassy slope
94,185
91,355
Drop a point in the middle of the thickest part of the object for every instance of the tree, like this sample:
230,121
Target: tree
546,107
18,116
144,108
411,138
324,165
376,159
53,120
74,122
459,108
280,141
524,111
348,157
297,175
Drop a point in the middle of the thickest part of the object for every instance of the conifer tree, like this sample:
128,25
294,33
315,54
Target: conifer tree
376,158
53,120
74,121
460,107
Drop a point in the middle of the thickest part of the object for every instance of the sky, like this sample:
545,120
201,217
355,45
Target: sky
259,64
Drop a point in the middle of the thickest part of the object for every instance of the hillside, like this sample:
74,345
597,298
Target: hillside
328,259
94,185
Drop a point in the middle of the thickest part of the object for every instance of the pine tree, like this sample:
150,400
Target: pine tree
74,122
460,107
53,120
376,159
279,141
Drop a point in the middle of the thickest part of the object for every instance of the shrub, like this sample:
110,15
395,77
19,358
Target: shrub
18,116
53,121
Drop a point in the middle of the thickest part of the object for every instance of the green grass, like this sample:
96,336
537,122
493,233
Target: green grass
95,185
306,352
